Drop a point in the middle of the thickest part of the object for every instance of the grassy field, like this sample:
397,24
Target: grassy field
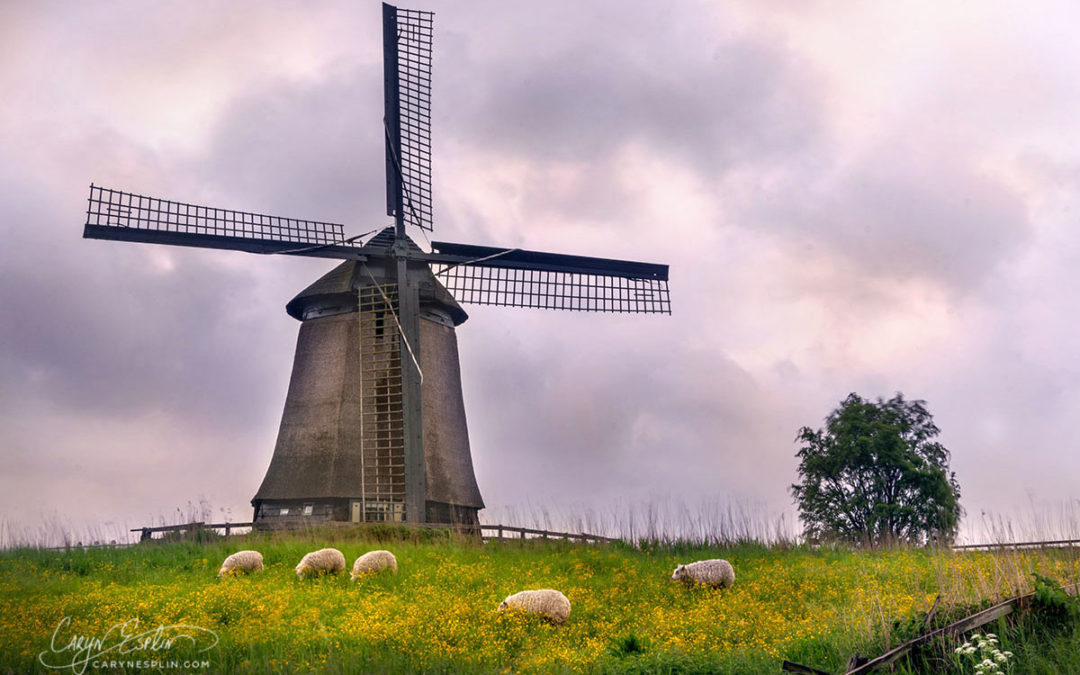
815,607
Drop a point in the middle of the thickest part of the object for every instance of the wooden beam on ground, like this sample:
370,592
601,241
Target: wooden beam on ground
960,627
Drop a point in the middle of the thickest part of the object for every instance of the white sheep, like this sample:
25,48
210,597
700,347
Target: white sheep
371,562
714,572
242,561
329,560
546,602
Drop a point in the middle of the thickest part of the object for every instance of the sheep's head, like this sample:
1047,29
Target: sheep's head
679,573
503,605
304,568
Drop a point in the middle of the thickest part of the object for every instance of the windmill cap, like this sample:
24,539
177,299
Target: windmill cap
336,292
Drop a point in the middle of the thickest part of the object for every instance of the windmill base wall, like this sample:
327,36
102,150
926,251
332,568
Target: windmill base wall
318,459
300,513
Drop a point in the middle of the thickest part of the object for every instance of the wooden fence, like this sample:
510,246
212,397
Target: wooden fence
487,532
504,532
1059,543
147,532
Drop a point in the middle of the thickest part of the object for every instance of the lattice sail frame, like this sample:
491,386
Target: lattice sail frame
407,38
544,289
128,211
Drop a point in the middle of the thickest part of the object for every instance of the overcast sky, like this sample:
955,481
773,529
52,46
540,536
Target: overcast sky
852,197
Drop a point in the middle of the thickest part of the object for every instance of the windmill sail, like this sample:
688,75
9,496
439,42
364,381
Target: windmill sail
407,94
518,278
124,216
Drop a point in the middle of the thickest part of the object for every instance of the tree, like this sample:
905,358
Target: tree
874,474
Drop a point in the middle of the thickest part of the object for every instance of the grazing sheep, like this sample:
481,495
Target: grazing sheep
329,560
714,572
371,562
242,561
546,602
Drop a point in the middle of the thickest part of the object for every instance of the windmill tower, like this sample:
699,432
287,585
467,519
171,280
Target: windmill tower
373,428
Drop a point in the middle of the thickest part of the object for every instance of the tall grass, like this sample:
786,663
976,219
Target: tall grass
658,520
1039,522
55,531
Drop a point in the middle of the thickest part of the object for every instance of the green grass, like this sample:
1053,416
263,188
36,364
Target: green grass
815,607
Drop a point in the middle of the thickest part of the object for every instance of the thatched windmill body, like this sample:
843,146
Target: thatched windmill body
374,423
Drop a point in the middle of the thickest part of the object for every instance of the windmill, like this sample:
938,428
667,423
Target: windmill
373,427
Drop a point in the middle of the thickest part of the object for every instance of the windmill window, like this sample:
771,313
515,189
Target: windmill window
283,512
308,508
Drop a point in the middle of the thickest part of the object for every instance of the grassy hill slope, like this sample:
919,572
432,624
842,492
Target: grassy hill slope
437,614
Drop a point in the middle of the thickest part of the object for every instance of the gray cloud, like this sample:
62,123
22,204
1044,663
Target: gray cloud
571,425
795,243
746,104
311,150
903,213
103,332
677,90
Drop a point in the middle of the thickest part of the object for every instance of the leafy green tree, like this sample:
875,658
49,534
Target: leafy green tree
874,474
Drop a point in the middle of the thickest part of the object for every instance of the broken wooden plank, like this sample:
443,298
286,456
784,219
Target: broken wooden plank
931,613
790,667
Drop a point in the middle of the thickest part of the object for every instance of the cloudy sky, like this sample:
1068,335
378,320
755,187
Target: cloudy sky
867,197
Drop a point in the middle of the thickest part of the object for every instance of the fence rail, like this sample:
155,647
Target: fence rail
1058,543
510,532
503,532
146,532
487,532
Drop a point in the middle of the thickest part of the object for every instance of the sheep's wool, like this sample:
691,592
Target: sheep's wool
373,561
242,561
714,572
546,602
328,560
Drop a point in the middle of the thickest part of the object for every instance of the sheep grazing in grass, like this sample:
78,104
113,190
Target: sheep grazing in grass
326,560
372,562
546,602
714,572
241,562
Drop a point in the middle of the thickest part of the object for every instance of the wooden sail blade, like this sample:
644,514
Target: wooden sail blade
519,278
123,216
407,93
